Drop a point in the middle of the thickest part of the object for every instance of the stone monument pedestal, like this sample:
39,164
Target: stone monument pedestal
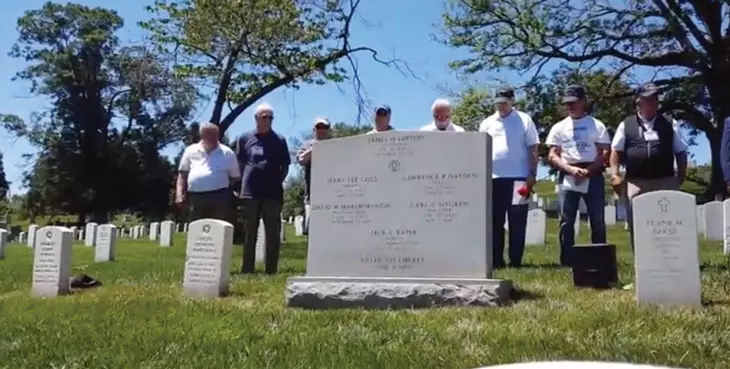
384,292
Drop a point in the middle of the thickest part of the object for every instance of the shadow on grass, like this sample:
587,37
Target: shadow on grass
517,295
715,268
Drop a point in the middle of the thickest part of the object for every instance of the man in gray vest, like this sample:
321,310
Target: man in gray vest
647,144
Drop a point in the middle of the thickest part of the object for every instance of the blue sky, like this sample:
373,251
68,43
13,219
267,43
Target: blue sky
402,29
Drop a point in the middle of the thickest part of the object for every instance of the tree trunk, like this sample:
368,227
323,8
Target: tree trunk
717,183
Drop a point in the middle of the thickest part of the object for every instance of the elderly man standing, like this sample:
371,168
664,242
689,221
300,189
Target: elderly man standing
264,159
514,164
382,120
441,111
207,171
648,144
578,149
321,131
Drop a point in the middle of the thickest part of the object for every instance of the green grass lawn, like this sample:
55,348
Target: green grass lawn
138,319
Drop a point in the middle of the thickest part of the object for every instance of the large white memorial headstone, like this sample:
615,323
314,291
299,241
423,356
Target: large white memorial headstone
713,221
90,234
52,261
208,258
667,259
167,233
536,223
32,230
379,229
106,243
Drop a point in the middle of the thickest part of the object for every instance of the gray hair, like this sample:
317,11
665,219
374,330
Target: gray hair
208,126
440,103
262,108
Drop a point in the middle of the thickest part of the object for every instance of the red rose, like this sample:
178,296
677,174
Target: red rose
523,191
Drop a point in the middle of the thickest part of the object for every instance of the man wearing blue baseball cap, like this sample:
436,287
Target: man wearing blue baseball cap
382,119
578,149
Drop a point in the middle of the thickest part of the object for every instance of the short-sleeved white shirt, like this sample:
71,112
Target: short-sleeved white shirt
577,138
512,136
209,171
619,138
433,127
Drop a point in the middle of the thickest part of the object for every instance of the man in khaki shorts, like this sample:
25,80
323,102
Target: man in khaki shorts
647,144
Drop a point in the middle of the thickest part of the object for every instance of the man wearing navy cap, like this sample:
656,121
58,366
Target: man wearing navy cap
321,131
382,119
514,164
647,144
578,148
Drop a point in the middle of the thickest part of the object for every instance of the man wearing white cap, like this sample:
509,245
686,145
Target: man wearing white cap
441,111
321,131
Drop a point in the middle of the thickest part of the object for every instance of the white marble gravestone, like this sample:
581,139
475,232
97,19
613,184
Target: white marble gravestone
575,365
536,223
576,225
261,242
378,229
609,215
90,232
713,221
282,232
167,233
700,219
185,227
80,235
154,231
32,230
208,258
3,243
666,255
22,236
726,227
299,225
106,243
52,261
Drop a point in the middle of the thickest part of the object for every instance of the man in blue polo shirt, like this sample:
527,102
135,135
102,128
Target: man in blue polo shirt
264,159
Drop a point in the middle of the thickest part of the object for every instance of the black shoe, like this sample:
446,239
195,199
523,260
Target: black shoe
84,281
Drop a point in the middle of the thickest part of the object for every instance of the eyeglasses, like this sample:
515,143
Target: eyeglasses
266,117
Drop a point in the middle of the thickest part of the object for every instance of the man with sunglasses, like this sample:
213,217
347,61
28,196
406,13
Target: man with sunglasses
321,131
382,119
578,149
263,156
441,111
647,144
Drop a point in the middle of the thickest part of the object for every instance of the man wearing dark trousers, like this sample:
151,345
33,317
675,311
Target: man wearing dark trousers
514,164
264,159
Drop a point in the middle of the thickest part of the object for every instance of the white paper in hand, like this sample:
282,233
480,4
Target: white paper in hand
517,199
570,184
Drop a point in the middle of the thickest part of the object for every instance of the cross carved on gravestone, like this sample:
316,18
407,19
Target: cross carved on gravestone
663,204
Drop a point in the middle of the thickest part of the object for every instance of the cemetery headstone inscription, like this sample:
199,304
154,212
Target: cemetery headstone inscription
208,258
386,221
667,258
52,261
536,224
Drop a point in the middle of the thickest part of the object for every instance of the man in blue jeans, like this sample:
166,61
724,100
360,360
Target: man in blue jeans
579,147
514,164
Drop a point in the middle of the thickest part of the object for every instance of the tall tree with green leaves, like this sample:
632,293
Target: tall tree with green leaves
112,109
245,49
685,43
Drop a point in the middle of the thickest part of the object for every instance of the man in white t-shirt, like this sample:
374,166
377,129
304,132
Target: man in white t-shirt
514,164
441,111
207,171
382,120
578,149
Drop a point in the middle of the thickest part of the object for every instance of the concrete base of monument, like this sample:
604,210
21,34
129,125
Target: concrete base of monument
384,293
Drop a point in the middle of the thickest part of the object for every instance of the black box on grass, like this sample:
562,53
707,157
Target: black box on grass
594,265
